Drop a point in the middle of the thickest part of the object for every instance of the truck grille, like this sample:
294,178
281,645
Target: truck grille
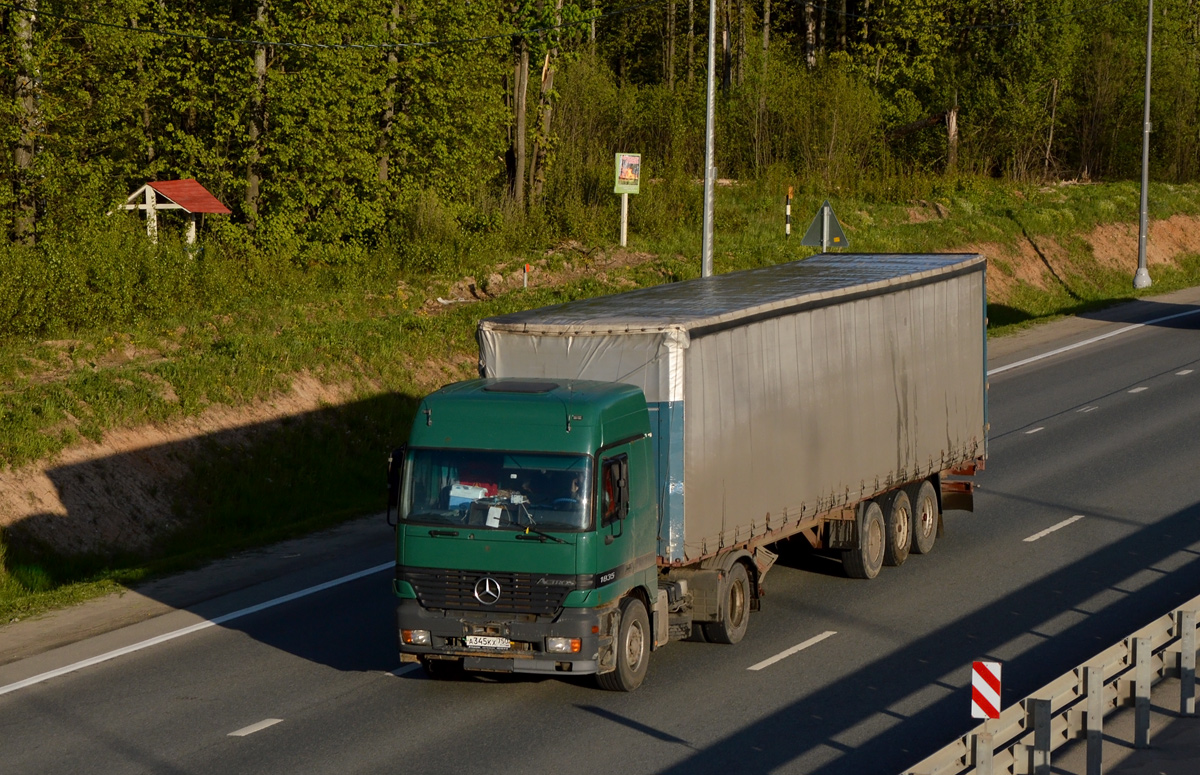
455,590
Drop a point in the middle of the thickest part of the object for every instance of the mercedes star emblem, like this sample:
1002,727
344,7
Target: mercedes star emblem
487,590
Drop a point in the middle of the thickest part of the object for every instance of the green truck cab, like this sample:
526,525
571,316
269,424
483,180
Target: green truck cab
527,530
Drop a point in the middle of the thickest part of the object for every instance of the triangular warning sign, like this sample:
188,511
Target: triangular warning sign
825,231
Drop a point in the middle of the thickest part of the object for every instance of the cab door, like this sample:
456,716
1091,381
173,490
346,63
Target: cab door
624,553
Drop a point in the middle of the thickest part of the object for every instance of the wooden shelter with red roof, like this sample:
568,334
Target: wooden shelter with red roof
187,195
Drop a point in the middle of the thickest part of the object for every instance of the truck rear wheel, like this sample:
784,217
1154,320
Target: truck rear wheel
898,522
924,516
735,614
865,561
633,649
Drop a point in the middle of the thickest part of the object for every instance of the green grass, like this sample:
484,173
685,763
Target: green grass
246,325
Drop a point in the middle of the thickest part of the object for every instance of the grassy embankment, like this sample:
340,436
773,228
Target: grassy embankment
167,335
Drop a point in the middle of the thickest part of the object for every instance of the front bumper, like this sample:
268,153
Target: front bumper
594,627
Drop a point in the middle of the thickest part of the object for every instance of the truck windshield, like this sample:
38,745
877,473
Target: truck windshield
499,490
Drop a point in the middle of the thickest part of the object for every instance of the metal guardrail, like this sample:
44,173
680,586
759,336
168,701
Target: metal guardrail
1074,705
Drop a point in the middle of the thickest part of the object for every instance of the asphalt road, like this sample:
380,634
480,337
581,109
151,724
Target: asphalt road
1095,455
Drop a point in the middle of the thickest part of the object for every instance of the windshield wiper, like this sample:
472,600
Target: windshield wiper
533,534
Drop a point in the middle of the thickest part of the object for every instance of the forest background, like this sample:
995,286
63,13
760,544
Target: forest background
375,154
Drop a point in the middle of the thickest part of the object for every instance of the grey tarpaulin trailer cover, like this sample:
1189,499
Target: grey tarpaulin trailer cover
781,394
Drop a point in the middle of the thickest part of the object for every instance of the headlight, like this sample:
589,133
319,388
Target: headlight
415,637
563,645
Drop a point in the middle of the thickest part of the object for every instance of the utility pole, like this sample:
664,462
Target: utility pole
706,246
1142,278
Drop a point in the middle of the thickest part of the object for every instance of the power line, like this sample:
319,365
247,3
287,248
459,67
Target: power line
588,19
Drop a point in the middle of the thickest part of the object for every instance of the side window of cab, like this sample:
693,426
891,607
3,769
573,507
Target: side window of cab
614,489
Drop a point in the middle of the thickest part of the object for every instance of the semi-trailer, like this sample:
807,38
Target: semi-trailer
616,477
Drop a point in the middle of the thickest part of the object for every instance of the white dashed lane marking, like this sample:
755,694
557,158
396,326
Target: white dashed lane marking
1051,529
260,726
1035,430
1137,390
793,650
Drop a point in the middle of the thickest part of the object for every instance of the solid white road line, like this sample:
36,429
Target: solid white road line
37,679
794,649
1050,530
260,726
1093,340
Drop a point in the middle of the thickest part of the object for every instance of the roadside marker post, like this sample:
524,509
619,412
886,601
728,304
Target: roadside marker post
825,230
985,690
787,214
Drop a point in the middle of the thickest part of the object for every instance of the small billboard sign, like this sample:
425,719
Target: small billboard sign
629,173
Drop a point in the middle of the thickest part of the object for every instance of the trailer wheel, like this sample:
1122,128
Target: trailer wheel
633,649
899,523
924,516
865,561
735,614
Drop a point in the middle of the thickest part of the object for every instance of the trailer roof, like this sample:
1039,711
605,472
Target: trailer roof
709,304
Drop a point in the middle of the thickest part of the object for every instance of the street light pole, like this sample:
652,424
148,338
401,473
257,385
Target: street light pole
1142,278
706,240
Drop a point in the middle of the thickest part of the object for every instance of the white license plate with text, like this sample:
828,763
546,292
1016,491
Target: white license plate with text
488,642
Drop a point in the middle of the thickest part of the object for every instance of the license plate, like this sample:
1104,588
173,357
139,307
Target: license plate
488,642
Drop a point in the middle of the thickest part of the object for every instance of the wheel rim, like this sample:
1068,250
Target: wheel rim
737,603
875,543
927,518
903,517
635,645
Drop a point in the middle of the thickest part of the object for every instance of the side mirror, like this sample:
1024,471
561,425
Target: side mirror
395,467
615,490
623,487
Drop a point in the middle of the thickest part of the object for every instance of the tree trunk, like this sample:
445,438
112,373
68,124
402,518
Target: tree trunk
842,28
669,48
541,144
520,87
741,43
1050,139
147,129
810,34
952,138
821,30
388,119
257,121
27,121
766,31
760,119
726,53
692,40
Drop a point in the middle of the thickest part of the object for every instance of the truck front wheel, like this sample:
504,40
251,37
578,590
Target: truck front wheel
633,649
443,669
735,614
